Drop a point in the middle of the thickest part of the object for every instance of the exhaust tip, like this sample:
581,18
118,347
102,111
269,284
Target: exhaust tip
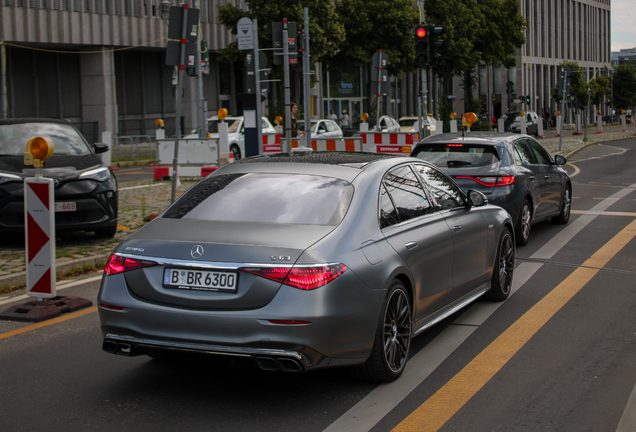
266,363
289,365
110,346
125,349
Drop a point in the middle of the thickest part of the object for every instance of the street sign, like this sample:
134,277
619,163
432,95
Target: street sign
245,34
379,71
251,73
175,23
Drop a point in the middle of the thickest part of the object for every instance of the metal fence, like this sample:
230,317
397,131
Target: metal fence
135,146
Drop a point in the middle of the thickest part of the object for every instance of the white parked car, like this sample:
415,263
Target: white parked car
236,138
387,124
408,124
322,128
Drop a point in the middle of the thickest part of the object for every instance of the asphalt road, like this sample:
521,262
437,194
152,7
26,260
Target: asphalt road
557,355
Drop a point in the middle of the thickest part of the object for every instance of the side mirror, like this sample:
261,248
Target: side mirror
560,160
101,147
476,198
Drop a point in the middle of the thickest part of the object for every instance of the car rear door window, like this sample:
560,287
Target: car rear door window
444,191
406,193
457,155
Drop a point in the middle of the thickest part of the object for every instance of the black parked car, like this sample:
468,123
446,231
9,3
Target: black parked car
514,171
85,189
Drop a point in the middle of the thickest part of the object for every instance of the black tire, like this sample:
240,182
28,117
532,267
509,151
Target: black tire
236,150
566,206
392,339
108,232
503,270
524,224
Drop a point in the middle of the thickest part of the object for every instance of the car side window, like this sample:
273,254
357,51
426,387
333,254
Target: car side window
331,126
523,152
445,192
406,193
542,155
388,213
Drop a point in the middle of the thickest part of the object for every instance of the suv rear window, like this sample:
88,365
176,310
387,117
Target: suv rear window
457,155
274,198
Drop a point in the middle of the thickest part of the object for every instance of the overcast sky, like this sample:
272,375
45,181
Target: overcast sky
623,24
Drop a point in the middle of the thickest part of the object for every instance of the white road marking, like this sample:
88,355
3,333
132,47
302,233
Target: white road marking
61,286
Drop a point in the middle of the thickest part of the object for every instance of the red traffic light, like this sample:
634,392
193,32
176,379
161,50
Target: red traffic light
420,32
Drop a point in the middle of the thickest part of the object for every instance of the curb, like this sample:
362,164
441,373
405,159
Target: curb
19,279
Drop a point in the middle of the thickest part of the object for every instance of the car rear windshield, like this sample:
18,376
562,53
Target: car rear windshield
457,155
66,139
274,198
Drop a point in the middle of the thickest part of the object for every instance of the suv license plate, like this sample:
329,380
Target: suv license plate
200,280
65,206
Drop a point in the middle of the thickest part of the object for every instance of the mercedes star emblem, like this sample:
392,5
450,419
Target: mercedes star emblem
197,251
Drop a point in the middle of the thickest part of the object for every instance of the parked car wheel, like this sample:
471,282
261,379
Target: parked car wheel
564,216
523,228
236,150
501,282
392,340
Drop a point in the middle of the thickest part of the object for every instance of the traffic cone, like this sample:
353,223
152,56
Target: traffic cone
231,159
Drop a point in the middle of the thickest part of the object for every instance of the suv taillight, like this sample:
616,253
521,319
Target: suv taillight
305,277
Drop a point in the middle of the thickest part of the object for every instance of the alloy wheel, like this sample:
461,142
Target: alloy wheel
397,330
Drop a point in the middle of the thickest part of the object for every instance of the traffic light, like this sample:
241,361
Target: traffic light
528,100
434,44
421,46
510,87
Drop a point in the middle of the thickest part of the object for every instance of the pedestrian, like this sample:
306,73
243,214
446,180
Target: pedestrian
294,122
344,120
333,116
546,120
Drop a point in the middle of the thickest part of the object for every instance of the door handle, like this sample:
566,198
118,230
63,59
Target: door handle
411,245
457,228
531,178
546,177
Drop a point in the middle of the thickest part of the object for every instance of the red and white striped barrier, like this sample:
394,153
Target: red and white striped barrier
162,172
385,142
39,222
271,143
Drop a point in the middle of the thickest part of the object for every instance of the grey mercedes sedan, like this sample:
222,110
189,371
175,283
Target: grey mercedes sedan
306,261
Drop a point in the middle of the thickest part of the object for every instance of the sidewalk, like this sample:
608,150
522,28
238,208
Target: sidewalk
80,252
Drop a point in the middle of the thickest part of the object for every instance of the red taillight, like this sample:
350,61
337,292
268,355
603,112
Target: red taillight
453,145
118,264
302,277
290,322
492,180
111,307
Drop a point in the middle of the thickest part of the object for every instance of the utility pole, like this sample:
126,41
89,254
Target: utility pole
307,77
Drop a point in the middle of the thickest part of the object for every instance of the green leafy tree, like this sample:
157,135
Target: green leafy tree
578,86
624,85
600,87
487,31
372,25
326,30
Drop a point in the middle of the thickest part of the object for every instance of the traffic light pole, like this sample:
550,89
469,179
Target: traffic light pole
307,78
288,138
203,123
257,85
565,90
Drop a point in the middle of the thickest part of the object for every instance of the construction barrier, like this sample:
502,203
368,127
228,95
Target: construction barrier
390,143
162,172
272,144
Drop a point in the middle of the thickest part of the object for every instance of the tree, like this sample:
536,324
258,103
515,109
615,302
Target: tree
325,28
372,25
624,85
578,86
487,31
600,87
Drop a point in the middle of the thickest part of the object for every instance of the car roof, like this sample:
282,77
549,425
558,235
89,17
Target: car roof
479,138
32,120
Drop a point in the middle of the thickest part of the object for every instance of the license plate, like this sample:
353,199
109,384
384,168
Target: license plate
65,206
201,280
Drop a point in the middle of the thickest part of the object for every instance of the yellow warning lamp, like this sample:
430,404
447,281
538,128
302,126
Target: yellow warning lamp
38,150
523,113
558,112
598,112
453,115
159,123
364,117
622,111
278,120
468,119
222,114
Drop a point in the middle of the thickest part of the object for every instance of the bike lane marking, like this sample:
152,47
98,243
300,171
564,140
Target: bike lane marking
439,408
